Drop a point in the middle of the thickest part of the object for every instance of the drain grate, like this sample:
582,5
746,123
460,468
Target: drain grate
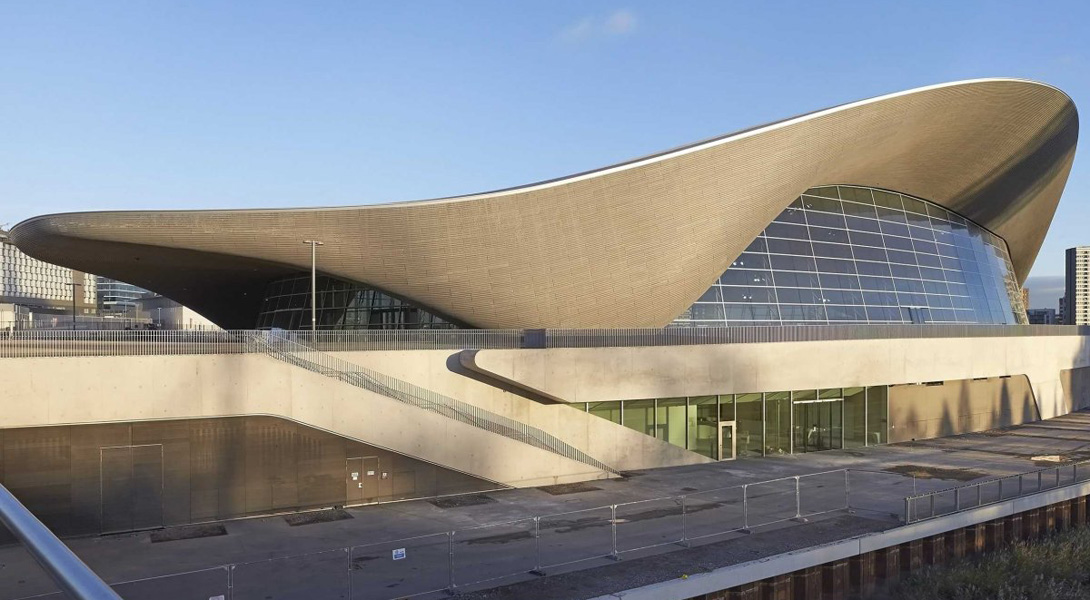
320,516
568,488
460,501
187,532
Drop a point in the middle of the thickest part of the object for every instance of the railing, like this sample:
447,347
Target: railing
285,347
31,343
507,551
948,501
62,565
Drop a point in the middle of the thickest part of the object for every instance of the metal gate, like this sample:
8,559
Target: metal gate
131,486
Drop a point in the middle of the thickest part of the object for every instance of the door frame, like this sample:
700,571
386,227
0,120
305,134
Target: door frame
733,438
363,475
102,487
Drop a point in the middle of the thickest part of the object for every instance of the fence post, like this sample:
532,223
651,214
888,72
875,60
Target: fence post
932,497
230,582
450,561
348,556
684,523
613,531
957,499
1000,490
798,500
848,490
745,508
908,503
1019,484
1057,476
979,487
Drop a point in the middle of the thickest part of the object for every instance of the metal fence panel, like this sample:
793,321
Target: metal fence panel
400,568
713,512
300,577
494,551
649,523
770,502
823,492
207,583
575,536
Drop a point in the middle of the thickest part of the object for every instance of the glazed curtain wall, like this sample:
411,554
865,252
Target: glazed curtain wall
847,254
765,424
341,305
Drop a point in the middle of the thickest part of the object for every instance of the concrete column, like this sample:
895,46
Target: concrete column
911,556
1049,523
1013,528
749,591
1063,516
776,588
1031,525
834,580
994,535
975,539
807,584
863,574
955,543
889,564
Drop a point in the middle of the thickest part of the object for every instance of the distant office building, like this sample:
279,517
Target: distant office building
1076,304
164,313
1042,316
117,297
41,289
1060,314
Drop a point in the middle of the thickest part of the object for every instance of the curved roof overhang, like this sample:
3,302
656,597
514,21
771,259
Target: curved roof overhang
632,245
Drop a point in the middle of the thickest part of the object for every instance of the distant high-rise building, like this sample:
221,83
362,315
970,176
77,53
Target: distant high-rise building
1060,313
1076,306
1042,316
117,297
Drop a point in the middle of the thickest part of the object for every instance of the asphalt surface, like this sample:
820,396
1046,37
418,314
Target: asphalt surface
267,559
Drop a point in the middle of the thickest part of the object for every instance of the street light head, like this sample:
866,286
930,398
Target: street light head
313,242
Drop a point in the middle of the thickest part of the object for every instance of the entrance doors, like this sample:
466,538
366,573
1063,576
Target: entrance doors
818,424
361,478
727,443
131,487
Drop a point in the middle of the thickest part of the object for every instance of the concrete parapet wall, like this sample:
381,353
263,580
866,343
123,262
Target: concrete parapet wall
75,390
599,374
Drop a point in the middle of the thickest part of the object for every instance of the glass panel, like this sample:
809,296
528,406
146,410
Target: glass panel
640,416
877,416
670,422
750,424
610,411
726,407
873,234
778,423
703,420
855,423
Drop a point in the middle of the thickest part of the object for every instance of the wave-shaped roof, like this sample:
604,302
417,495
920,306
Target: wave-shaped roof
632,245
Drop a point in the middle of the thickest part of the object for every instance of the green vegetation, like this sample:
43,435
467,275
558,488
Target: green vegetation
1056,568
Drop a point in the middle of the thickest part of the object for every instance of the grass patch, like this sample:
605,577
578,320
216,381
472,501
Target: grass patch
1054,568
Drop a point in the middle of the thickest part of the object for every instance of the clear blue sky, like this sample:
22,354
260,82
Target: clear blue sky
207,104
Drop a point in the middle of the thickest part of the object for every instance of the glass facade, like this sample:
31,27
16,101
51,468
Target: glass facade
760,424
341,305
848,254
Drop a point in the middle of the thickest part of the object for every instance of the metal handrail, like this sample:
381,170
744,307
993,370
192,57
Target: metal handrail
69,572
50,343
914,501
287,348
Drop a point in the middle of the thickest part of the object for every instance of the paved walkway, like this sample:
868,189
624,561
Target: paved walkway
948,461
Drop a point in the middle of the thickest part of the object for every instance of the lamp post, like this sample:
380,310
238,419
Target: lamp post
313,284
73,286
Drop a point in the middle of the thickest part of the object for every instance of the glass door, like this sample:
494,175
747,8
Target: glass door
727,447
818,424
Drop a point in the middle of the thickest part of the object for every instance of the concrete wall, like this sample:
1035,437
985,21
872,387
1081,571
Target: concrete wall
79,479
51,391
597,374
946,408
615,445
